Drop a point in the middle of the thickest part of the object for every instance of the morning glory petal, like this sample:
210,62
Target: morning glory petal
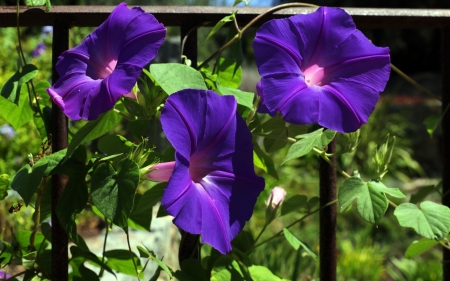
113,55
213,187
319,69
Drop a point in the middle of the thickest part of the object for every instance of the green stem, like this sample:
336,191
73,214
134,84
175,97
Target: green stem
414,83
131,254
287,139
280,233
240,32
324,157
100,274
444,245
261,232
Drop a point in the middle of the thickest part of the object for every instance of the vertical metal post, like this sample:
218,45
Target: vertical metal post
328,253
59,142
445,125
188,32
189,245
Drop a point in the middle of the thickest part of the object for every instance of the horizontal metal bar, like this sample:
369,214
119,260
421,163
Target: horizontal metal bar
209,15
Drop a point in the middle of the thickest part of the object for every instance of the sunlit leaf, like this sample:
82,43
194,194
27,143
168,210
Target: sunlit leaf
173,77
419,247
371,199
219,25
16,115
431,220
297,243
318,139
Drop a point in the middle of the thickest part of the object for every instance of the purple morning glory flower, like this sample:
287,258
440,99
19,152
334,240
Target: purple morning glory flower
39,50
107,64
213,186
319,69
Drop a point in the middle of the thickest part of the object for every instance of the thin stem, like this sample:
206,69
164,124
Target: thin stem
261,232
37,211
295,222
131,254
414,83
324,157
287,139
100,274
444,245
392,203
239,34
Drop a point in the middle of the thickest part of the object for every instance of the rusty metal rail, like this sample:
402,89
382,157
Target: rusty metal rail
176,15
64,17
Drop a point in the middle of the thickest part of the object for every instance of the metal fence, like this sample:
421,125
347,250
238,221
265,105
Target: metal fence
62,18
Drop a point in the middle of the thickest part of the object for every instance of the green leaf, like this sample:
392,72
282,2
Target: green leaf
242,98
77,252
419,247
41,91
228,74
371,199
141,216
236,49
318,139
226,269
431,220
263,161
262,273
17,115
173,77
191,270
120,261
34,3
297,243
278,128
12,88
27,181
219,25
162,265
43,124
48,6
113,144
113,191
294,203
80,272
93,130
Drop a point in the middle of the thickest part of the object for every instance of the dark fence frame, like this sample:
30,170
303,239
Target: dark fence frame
62,18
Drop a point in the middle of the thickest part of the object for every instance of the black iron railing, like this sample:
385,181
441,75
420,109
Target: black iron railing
62,18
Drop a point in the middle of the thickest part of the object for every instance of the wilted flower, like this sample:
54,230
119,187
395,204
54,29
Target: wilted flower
39,50
318,68
213,187
107,64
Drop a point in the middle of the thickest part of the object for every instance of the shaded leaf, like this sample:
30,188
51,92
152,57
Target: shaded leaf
263,161
113,191
12,88
27,181
93,130
141,216
294,203
219,25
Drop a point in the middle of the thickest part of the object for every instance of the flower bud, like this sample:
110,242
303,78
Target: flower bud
274,201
